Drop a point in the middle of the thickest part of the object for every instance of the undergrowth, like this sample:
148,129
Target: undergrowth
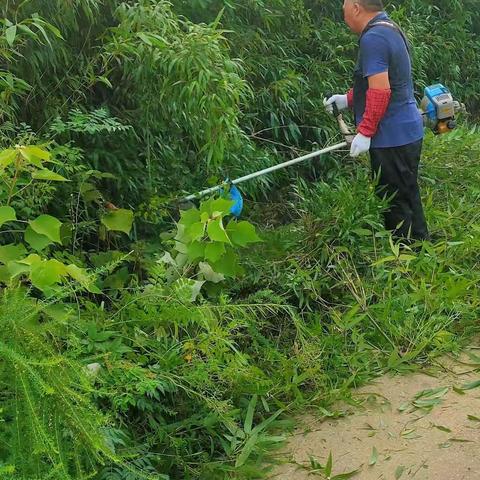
142,343
157,382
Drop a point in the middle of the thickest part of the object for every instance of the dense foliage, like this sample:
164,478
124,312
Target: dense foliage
138,342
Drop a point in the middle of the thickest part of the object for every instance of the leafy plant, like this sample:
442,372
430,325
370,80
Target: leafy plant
206,248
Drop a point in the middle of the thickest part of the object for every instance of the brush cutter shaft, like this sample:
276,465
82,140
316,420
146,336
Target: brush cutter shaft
269,170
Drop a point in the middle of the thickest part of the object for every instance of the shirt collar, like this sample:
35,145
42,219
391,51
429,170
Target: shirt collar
380,16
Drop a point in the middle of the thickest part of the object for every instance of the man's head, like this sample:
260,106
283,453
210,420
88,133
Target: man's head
358,13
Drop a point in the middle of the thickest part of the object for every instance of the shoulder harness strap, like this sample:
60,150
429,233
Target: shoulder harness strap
390,24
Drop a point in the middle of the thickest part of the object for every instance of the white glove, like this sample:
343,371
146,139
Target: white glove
360,144
340,100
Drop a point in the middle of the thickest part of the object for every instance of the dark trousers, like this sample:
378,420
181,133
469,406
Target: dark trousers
397,171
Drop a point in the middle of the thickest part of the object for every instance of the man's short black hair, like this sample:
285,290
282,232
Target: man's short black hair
372,5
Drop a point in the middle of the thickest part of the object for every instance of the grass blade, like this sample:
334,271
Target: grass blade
329,466
249,417
471,386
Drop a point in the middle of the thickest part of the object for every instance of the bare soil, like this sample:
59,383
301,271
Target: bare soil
439,443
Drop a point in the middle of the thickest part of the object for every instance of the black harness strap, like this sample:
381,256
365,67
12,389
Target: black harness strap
389,24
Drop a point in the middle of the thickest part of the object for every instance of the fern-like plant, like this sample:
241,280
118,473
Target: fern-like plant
49,428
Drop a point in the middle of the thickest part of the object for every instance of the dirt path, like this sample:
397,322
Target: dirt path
438,438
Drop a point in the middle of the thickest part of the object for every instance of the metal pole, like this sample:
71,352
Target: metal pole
269,170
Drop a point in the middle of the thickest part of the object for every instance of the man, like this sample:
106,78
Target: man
389,125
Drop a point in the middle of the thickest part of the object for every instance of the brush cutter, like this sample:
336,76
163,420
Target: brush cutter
235,194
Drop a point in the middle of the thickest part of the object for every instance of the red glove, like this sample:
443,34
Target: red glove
377,104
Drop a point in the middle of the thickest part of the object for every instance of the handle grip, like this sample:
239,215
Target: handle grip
341,122
336,112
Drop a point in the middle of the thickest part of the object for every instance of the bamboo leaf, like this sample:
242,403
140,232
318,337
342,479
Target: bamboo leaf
250,412
471,386
10,34
247,450
329,466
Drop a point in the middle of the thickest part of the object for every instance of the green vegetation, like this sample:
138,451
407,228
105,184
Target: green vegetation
138,342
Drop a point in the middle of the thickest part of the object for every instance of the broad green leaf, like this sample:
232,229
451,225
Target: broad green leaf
188,217
29,155
32,259
181,235
195,250
7,157
214,251
120,220
47,273
218,206
242,233
11,252
5,275
37,241
48,226
228,264
39,152
181,247
46,174
58,312
10,34
7,214
17,268
221,205
247,428
210,276
66,234
78,274
195,231
216,232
